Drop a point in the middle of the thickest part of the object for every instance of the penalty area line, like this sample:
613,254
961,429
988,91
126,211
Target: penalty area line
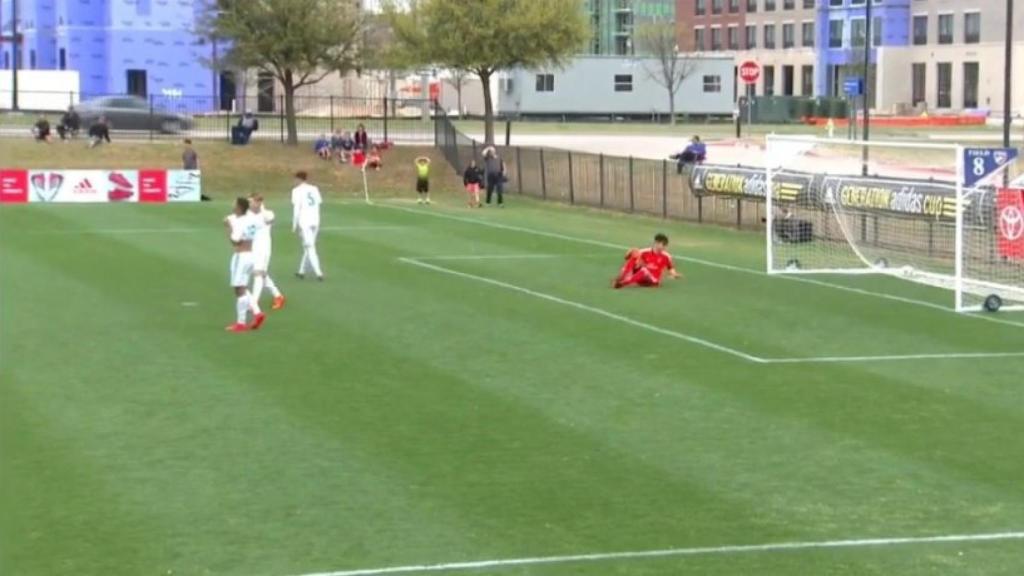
681,552
586,308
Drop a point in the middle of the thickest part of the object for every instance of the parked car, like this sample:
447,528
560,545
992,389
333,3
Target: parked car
131,113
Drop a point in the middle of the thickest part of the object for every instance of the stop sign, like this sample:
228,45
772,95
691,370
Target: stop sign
750,71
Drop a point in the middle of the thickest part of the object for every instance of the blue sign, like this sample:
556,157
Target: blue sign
853,86
980,163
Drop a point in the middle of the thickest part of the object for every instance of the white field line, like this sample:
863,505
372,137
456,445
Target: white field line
710,264
893,358
681,552
502,257
218,229
586,308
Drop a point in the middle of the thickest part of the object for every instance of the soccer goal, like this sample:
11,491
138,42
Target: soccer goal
899,209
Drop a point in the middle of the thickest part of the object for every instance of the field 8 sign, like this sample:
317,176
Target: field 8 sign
981,163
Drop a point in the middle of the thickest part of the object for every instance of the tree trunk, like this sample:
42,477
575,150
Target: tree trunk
485,79
289,108
671,108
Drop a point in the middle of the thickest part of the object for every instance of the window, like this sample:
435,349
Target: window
265,87
623,82
835,3
835,33
788,36
734,6
917,83
920,30
945,28
32,59
751,37
716,39
788,73
717,6
545,82
768,87
972,28
857,2
751,6
712,83
807,80
698,39
788,4
808,4
699,7
137,83
807,34
944,85
876,31
769,36
970,84
769,5
7,60
857,31
734,38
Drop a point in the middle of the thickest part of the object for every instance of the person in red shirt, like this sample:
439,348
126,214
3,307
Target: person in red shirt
645,267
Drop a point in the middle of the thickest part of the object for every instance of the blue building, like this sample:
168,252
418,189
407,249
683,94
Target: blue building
142,47
842,33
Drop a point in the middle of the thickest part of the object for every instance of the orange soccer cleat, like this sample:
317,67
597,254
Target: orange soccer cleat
257,321
278,303
236,328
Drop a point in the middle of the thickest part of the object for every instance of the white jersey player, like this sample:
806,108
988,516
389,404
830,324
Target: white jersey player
242,228
306,201
261,250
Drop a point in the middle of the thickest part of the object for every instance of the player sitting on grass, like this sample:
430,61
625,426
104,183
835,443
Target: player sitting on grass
241,226
645,267
423,180
261,250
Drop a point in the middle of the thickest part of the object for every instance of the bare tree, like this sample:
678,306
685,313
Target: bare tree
657,41
459,79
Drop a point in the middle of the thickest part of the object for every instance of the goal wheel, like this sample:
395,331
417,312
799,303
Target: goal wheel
793,264
881,263
993,303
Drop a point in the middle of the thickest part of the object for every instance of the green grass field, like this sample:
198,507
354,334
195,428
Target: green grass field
466,387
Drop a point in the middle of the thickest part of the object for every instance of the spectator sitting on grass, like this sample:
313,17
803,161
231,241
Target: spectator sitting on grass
336,141
373,159
41,129
99,132
69,125
322,146
249,124
347,145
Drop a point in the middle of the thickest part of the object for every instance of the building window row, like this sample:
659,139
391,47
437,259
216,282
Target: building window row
944,84
945,28
858,32
789,81
750,37
770,5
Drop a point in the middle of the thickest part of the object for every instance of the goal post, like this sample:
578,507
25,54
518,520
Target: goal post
899,209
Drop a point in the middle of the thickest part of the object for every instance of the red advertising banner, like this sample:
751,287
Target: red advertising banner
153,186
1010,223
13,186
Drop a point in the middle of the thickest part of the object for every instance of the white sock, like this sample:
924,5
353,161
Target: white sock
305,260
314,261
272,287
254,303
242,308
257,287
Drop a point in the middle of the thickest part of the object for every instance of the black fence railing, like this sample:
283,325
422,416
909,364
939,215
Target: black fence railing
626,184
204,117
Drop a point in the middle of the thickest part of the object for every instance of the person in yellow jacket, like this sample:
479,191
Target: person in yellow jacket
423,179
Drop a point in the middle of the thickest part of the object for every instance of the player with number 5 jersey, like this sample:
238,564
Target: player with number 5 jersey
306,201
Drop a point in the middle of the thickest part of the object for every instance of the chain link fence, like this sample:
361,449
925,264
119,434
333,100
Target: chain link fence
642,186
400,121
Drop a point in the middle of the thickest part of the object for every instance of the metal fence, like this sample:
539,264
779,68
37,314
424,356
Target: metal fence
642,186
205,117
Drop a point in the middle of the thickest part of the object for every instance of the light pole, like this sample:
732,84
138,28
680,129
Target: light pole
868,40
15,40
1008,82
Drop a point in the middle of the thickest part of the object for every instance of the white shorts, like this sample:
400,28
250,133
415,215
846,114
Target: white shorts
241,269
309,235
261,260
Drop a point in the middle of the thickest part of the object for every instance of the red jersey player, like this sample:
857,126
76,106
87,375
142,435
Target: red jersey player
645,267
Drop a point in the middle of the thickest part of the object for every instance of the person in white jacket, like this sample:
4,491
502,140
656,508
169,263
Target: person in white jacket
306,201
261,251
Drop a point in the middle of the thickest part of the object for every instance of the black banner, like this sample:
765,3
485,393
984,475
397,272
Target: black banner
749,183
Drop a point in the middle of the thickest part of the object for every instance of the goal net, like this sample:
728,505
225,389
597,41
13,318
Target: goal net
898,209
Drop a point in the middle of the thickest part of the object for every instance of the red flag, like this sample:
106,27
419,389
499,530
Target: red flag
1010,223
